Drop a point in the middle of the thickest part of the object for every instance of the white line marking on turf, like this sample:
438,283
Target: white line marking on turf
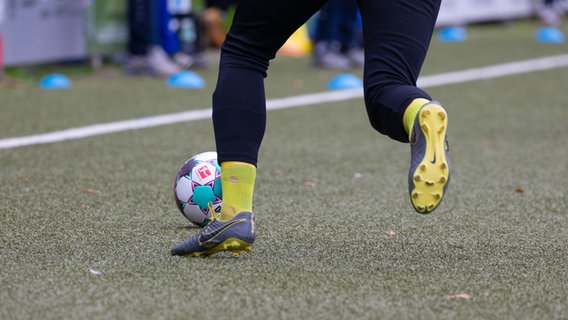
441,79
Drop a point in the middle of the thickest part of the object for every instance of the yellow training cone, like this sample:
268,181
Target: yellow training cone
299,43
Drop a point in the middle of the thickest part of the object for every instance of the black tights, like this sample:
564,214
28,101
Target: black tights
396,34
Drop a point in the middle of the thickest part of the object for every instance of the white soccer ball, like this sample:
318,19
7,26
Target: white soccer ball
198,183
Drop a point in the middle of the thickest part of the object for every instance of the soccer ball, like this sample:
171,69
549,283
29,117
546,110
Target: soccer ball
198,183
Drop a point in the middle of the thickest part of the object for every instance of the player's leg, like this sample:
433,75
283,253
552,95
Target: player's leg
397,35
259,29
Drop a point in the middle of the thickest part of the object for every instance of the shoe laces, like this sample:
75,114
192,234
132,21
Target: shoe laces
214,214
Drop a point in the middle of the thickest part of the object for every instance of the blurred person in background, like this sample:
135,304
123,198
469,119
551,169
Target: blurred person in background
550,13
146,54
337,37
213,18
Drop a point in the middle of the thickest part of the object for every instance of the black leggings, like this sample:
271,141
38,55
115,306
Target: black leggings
396,34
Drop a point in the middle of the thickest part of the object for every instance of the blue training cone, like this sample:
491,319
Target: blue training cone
549,35
344,81
452,34
55,81
186,79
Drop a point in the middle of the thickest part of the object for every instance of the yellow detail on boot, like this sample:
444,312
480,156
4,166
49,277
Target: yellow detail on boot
411,112
237,184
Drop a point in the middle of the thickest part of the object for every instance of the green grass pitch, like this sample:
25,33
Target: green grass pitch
86,225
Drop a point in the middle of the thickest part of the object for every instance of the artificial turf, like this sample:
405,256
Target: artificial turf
86,225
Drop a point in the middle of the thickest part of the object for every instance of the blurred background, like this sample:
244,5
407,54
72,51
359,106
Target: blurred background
163,37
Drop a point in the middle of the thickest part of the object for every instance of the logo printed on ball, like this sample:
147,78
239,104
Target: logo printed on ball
204,172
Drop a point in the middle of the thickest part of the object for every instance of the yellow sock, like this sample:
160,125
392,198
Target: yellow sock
237,183
411,112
